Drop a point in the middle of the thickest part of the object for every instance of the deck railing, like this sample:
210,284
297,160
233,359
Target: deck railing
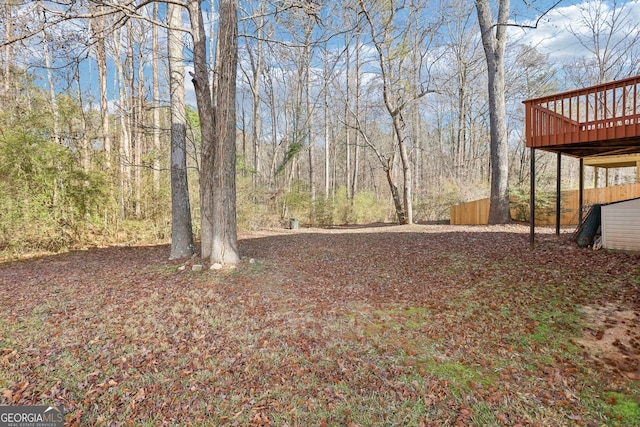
604,112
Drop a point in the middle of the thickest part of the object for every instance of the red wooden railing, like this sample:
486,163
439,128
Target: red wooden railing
610,111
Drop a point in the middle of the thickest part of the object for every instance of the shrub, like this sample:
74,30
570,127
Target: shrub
520,203
364,208
42,184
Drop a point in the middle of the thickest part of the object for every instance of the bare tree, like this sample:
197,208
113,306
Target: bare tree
358,104
97,25
182,244
46,46
391,47
155,52
140,139
123,113
6,55
466,58
308,103
254,76
217,123
532,76
494,39
610,32
225,248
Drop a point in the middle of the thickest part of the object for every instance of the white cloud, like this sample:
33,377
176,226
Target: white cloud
554,33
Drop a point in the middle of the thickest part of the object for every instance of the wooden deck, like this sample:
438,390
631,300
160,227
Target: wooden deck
599,120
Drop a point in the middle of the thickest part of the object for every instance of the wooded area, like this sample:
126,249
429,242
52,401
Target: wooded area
373,111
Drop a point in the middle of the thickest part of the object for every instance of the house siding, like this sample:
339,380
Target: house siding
621,225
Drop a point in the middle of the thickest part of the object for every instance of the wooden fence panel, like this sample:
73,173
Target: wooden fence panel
477,212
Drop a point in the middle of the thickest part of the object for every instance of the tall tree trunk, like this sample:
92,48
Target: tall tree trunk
83,142
309,121
418,151
356,143
347,121
213,52
217,177
131,119
274,136
182,244
156,102
99,46
395,195
460,144
406,171
226,250
125,135
327,141
52,89
494,38
257,62
200,79
141,137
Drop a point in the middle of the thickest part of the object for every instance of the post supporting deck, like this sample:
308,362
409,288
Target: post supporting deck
558,191
532,200
581,192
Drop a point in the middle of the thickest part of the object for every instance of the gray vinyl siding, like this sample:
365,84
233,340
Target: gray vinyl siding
621,225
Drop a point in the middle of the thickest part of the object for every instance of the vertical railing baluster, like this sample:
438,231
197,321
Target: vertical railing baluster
585,115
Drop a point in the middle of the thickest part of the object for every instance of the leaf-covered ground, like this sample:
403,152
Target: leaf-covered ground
381,326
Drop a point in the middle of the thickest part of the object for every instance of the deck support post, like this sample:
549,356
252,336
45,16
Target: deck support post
532,200
558,191
581,191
